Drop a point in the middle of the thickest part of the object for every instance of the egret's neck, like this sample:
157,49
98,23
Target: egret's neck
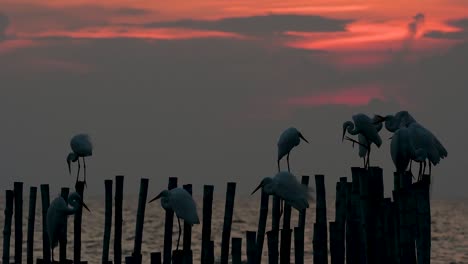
349,126
391,123
165,203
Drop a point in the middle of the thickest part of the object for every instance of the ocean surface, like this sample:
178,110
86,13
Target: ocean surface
449,228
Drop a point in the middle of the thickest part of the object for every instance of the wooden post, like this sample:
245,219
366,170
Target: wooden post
177,257
285,248
206,225
118,220
187,240
63,243
45,238
31,220
77,225
236,250
388,232
340,220
129,260
272,237
210,253
9,198
299,245
18,191
156,258
423,240
302,214
320,245
107,221
168,226
407,254
351,227
228,211
334,241
252,254
376,202
261,226
140,220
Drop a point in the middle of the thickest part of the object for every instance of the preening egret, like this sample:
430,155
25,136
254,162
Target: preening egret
81,147
363,143
394,122
57,214
290,138
403,150
368,128
182,203
285,186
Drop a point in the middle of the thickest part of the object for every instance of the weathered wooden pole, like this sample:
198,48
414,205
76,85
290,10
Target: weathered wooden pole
206,225
272,237
187,240
388,232
252,254
285,240
261,226
236,250
31,220
107,221
407,254
168,226
320,245
118,220
9,198
334,242
45,238
340,220
228,211
140,220
18,190
177,256
63,242
77,225
210,253
423,240
299,245
155,258
352,256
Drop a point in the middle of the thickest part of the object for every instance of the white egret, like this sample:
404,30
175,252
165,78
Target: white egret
365,126
290,138
403,150
363,143
285,186
182,203
57,214
81,147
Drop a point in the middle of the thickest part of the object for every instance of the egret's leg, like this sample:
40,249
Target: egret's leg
424,171
287,158
52,255
430,168
84,169
420,169
368,155
410,163
180,231
364,160
281,207
78,173
278,165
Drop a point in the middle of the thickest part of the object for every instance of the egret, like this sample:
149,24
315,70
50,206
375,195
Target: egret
368,128
394,122
182,203
81,147
363,143
285,186
403,150
57,214
290,138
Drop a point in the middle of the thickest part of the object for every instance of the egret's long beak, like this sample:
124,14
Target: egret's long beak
69,166
258,187
155,198
380,119
85,206
344,133
303,138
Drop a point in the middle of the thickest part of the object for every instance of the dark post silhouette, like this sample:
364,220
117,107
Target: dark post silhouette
206,225
187,240
236,250
228,211
63,242
156,258
77,225
45,238
299,245
140,219
107,221
388,231
168,226
261,226
252,254
31,219
18,190
285,243
177,256
272,237
340,220
9,197
119,184
320,227
407,249
423,240
334,241
210,253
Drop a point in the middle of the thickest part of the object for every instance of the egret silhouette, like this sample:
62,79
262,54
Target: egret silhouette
363,142
368,128
182,203
57,214
81,147
290,138
403,150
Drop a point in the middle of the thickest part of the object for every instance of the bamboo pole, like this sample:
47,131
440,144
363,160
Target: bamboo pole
206,225
77,225
156,258
236,250
320,244
261,226
45,238
107,221
140,220
299,245
9,198
252,254
210,253
63,242
168,226
177,256
334,241
340,220
18,191
31,220
272,237
423,240
187,240
285,247
228,211
118,220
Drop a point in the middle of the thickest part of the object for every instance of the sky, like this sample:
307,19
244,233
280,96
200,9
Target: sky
201,90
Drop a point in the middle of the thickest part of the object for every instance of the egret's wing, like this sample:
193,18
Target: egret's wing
56,220
400,149
291,190
362,149
82,145
184,206
424,139
366,127
288,140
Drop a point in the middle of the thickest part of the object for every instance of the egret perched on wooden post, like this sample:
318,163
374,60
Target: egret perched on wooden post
365,126
81,147
290,138
403,150
57,215
285,186
182,203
